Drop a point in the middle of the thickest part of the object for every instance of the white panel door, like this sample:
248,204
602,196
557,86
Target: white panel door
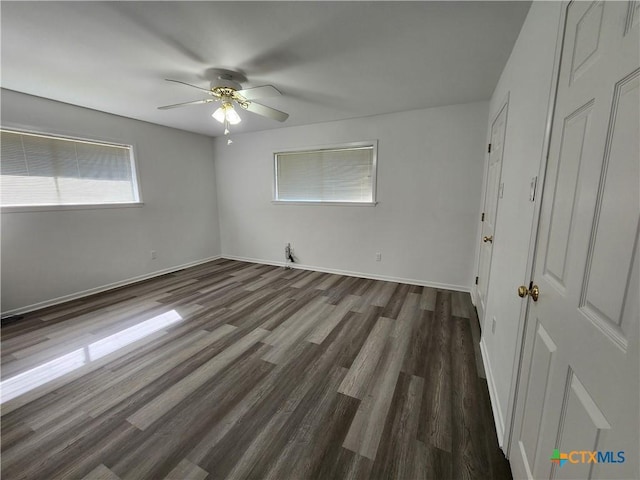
491,196
579,389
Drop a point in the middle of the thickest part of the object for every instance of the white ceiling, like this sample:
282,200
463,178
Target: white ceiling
331,60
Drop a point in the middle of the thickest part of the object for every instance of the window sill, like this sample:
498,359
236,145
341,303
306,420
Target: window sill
48,208
331,204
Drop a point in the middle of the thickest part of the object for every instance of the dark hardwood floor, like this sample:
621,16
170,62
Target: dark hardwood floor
238,370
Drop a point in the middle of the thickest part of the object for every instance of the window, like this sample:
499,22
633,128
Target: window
342,174
44,170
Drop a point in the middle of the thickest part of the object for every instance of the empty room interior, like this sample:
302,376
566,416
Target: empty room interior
320,240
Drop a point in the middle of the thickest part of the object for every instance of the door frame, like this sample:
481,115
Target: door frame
533,238
504,104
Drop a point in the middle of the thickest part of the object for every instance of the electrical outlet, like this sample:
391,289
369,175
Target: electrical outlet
493,325
378,257
154,254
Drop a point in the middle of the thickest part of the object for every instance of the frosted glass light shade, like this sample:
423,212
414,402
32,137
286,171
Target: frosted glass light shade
219,115
232,116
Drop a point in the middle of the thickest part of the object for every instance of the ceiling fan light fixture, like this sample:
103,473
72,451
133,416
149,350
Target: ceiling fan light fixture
226,113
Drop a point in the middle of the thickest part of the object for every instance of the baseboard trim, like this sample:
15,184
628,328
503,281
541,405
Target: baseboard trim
474,296
349,273
110,286
493,395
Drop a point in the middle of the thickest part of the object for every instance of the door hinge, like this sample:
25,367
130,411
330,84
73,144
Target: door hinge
477,280
489,148
532,189
482,217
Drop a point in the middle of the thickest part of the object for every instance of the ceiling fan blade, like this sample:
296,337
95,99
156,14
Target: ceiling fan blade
195,102
259,92
189,85
267,111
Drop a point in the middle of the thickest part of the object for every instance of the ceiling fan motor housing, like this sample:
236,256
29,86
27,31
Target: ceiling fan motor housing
226,81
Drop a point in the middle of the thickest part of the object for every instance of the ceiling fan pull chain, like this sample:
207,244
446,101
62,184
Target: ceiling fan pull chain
227,132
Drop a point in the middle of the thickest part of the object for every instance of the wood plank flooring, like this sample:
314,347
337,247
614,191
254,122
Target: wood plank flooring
238,370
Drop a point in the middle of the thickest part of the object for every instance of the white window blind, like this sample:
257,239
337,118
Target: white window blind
46,170
329,175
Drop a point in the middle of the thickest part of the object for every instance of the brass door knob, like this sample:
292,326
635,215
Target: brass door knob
524,291
488,239
535,293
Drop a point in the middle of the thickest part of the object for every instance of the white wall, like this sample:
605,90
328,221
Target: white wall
526,79
51,254
429,180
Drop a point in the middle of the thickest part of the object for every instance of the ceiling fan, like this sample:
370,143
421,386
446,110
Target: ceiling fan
229,92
